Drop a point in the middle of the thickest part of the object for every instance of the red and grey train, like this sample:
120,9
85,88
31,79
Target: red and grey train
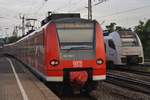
66,49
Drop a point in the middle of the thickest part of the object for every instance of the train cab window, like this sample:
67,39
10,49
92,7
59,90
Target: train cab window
129,39
76,36
111,44
129,42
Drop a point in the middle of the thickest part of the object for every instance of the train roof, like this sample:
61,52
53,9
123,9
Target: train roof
71,20
51,17
126,34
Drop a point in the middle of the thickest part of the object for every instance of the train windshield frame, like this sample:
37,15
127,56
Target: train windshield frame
76,36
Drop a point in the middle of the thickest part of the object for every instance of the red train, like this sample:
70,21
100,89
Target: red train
67,49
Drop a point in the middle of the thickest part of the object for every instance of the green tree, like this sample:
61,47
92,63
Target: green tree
111,27
10,39
143,30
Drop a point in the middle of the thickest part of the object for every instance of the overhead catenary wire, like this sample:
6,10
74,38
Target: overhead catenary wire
66,5
125,11
72,6
40,8
100,1
85,8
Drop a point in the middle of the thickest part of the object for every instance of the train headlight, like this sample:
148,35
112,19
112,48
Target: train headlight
99,61
54,62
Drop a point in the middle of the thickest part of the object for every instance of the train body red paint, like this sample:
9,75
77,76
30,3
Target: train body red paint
63,47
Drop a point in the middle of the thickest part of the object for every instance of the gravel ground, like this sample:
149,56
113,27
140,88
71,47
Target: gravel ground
106,91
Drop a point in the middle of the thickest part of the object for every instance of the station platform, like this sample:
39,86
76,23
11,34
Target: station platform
18,83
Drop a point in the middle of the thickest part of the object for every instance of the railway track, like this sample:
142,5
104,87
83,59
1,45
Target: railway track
78,97
65,94
138,72
130,83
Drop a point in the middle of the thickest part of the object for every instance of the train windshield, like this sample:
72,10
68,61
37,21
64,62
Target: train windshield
129,39
129,42
76,36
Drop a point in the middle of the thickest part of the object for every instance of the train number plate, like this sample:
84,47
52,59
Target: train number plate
77,64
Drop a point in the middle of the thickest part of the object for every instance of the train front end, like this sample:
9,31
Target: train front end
131,50
75,52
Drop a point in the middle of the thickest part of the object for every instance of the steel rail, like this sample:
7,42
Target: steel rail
130,83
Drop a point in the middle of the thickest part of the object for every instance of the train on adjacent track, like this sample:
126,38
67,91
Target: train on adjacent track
66,49
123,48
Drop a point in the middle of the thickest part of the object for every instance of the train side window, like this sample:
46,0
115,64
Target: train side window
111,44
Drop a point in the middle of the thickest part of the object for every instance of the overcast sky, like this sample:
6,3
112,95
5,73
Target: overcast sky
126,13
